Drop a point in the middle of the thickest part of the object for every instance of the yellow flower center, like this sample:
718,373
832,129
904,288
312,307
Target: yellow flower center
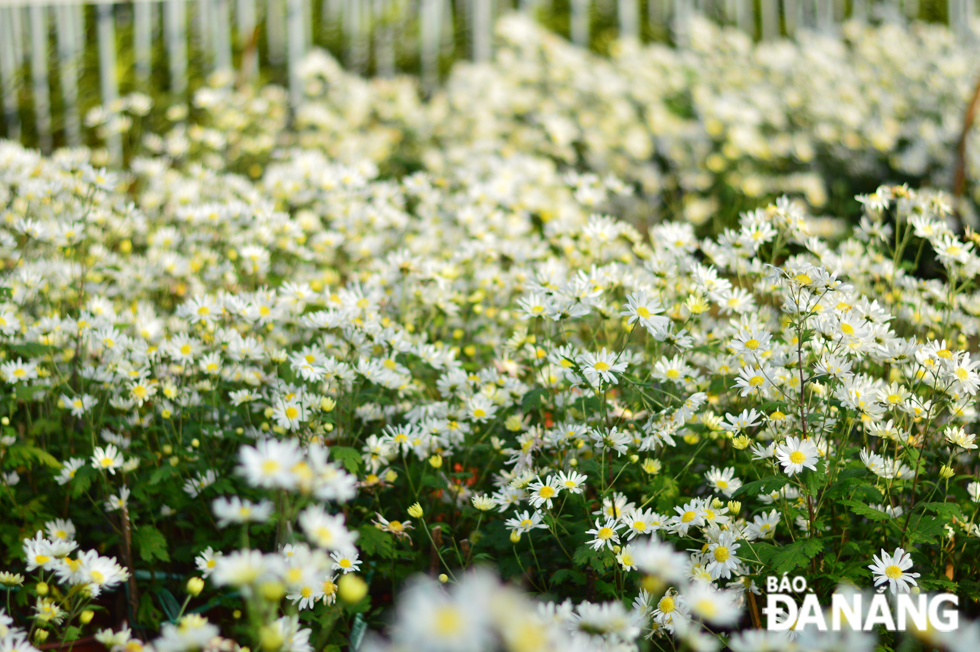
546,492
893,572
291,412
687,517
722,554
796,457
666,604
270,466
752,345
448,621
601,366
605,533
643,312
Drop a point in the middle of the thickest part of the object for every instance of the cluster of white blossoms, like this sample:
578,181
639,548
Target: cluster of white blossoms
409,338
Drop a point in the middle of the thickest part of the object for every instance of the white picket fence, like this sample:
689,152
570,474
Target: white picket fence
375,35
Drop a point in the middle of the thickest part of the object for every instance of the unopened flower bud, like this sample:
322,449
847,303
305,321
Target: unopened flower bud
415,511
443,578
436,461
351,588
272,591
515,536
946,472
717,504
734,507
86,616
41,588
40,635
194,586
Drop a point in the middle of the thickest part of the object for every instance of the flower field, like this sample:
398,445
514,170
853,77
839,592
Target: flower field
578,353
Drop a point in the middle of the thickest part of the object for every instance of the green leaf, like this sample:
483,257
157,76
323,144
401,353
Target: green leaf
945,511
27,392
845,480
926,530
169,603
23,454
796,554
83,479
32,349
347,456
764,486
374,541
868,512
151,543
568,575
814,480
162,473
533,399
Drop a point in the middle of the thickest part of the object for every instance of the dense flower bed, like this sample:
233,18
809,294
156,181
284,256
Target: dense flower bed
313,390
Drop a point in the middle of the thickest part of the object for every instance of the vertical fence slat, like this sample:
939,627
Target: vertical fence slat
245,20
791,15
107,73
770,19
430,18
143,40
296,45
629,20
39,75
8,73
580,22
221,34
275,31
175,25
481,19
384,39
68,70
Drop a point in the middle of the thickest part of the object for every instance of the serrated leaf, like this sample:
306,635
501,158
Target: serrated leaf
23,454
868,512
764,486
347,456
796,554
926,530
945,511
374,541
151,543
